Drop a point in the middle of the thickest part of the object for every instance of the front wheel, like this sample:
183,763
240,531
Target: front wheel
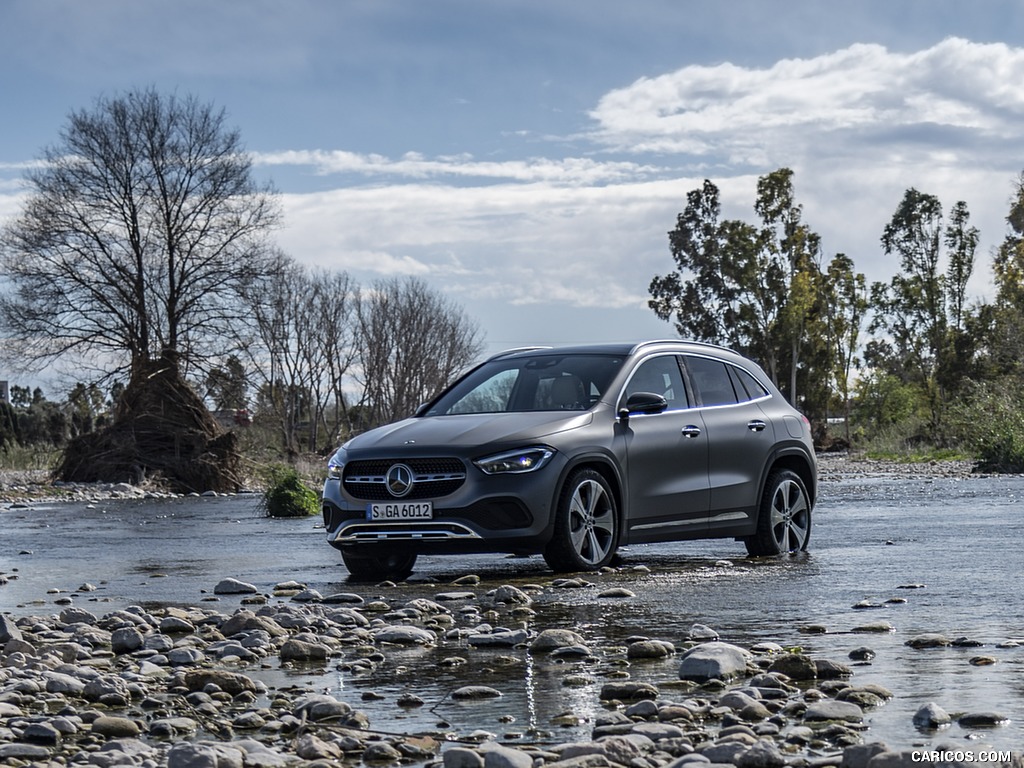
371,565
784,516
586,525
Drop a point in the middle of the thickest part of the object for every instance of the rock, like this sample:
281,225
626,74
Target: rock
230,682
628,691
928,640
8,629
126,640
497,756
381,752
298,650
113,727
475,692
862,654
234,587
826,669
552,639
41,733
701,633
509,594
931,716
713,661
650,649
310,747
501,638
761,755
982,720
204,755
616,592
828,710
795,666
874,627
404,635
463,757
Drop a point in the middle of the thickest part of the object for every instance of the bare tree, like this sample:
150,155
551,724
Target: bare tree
139,224
301,348
412,341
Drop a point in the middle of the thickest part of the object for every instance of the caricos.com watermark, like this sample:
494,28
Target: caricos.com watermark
959,756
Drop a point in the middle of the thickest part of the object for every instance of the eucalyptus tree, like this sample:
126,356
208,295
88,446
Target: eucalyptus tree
920,314
753,287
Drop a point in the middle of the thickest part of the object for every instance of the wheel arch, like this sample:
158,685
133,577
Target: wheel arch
604,466
798,462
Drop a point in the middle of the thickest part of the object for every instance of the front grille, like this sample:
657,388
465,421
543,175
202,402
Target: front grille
432,478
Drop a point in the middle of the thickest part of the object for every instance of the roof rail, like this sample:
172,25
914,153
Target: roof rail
514,350
642,344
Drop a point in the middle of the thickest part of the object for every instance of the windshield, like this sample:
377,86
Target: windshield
540,382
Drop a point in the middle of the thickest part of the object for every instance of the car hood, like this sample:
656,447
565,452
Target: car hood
467,430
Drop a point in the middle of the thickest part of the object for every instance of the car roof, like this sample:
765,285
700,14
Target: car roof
622,349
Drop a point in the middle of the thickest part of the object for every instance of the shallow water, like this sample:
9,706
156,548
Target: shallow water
958,541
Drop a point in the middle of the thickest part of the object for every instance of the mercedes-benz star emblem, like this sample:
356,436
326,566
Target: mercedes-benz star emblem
399,480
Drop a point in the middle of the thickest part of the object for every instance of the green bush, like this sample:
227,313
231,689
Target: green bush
990,419
287,495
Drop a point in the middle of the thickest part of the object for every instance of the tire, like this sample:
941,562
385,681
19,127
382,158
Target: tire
382,566
586,532
783,518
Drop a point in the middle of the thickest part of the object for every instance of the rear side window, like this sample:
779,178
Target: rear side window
745,383
711,380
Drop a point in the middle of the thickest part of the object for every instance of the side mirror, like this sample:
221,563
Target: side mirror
643,402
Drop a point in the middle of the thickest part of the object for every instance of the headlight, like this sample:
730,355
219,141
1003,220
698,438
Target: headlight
336,465
516,462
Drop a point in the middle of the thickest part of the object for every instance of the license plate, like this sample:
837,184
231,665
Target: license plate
407,510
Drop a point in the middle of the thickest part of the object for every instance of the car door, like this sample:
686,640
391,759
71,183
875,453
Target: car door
740,440
666,457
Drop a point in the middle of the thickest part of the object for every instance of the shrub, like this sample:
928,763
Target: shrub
990,418
288,496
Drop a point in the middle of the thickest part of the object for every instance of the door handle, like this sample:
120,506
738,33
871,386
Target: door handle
756,426
691,431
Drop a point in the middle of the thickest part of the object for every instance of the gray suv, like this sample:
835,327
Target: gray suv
573,452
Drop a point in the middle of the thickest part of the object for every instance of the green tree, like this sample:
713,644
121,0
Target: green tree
846,307
920,312
227,386
755,288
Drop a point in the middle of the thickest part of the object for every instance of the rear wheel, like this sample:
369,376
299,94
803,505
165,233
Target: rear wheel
586,525
784,517
372,565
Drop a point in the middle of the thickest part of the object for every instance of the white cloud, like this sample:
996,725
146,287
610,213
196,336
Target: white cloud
413,165
956,84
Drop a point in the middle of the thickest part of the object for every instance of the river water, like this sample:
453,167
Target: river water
926,555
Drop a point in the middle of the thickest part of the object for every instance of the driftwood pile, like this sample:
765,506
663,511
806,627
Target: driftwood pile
162,431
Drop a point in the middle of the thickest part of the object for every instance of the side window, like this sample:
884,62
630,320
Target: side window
660,375
747,383
711,380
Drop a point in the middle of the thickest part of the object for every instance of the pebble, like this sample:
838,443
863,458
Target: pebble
180,687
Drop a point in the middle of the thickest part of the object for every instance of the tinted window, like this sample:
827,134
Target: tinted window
711,380
747,383
660,375
542,382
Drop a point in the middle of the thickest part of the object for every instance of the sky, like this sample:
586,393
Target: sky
528,158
